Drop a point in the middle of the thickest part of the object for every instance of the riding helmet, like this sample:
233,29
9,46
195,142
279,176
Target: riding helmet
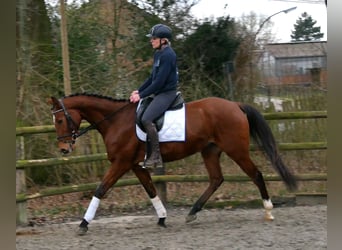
160,31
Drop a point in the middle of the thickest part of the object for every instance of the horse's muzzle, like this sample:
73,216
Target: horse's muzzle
65,151
66,148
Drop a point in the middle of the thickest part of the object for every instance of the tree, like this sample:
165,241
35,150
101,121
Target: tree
36,59
254,32
304,29
170,11
204,54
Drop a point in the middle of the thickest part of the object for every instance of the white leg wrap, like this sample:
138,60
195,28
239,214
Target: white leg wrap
159,207
268,204
268,207
90,214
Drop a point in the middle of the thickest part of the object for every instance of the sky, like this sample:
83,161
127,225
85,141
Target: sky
283,23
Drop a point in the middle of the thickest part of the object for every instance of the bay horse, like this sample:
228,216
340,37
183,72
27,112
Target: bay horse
213,125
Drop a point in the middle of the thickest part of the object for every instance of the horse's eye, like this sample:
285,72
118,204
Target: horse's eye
60,121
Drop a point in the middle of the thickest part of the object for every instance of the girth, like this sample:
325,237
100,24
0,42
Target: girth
176,104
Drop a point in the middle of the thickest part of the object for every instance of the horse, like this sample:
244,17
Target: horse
213,125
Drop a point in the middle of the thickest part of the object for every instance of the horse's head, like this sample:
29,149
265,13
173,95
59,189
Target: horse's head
67,122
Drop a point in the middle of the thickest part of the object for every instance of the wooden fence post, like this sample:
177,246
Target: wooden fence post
20,183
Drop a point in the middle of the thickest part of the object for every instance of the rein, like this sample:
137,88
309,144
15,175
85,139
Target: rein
72,125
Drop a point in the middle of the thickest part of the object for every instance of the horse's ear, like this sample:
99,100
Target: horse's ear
53,101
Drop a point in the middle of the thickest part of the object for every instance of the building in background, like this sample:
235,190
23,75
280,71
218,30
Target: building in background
299,63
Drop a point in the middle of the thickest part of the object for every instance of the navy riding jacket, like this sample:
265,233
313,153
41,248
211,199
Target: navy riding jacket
164,76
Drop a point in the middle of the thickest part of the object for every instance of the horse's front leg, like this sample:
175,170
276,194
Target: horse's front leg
110,178
146,180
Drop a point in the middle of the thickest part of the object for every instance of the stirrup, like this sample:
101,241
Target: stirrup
152,165
158,164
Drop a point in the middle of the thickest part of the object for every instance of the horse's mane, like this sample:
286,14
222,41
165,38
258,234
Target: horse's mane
98,96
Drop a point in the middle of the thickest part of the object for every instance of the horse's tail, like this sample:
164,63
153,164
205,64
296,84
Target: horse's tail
262,134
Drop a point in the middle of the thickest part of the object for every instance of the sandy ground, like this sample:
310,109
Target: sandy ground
295,227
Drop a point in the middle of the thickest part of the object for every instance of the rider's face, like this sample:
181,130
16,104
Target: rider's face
155,42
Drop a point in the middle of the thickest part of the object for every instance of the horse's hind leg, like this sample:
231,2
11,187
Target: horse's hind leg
146,180
247,165
211,156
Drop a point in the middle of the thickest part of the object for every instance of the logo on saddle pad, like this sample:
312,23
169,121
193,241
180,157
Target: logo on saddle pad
170,126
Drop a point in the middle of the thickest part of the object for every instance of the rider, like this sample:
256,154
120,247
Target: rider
162,85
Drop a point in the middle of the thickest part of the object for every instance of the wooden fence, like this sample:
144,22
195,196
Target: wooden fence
159,178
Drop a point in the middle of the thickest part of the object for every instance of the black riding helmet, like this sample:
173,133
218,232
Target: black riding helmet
160,31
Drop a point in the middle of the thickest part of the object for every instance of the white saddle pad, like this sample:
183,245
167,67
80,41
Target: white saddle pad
173,128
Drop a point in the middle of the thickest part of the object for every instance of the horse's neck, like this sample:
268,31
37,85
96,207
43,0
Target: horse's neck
95,110
113,116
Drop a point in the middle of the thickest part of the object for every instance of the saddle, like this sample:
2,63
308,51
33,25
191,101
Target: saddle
175,105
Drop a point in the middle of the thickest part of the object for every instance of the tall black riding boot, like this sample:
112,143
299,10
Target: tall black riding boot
152,139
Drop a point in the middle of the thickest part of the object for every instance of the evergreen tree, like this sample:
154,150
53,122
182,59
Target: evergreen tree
305,30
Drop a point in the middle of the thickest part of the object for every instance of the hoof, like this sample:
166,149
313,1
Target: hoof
190,218
161,222
82,231
268,216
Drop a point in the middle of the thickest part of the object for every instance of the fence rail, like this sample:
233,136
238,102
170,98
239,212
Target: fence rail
21,165
157,179
268,116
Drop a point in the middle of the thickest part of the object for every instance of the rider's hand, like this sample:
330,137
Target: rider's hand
134,96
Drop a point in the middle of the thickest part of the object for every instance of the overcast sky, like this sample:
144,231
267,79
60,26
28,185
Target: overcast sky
282,23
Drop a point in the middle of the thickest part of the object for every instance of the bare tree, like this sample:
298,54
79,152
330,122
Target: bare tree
253,33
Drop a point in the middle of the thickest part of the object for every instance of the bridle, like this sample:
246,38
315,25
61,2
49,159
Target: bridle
73,126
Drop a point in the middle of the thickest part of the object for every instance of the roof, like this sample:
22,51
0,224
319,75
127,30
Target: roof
297,49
